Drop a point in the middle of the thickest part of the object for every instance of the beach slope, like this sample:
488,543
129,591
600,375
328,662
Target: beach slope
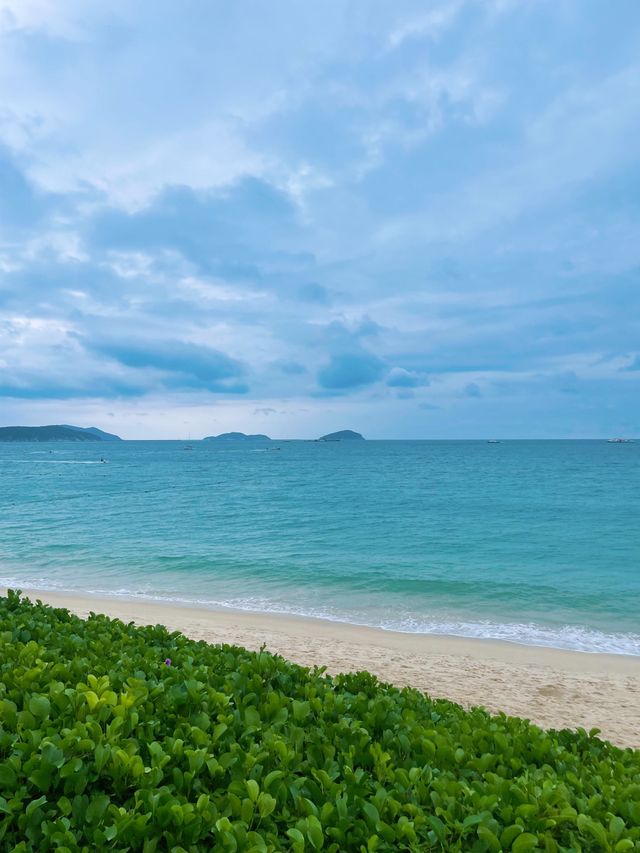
551,687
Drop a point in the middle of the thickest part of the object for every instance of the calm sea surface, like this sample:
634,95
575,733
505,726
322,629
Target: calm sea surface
532,541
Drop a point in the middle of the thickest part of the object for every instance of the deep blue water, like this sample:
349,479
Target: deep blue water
533,541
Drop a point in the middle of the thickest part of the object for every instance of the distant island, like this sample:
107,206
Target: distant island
237,436
100,433
55,432
69,432
343,435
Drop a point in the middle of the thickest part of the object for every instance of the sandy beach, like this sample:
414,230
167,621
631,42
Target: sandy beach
553,688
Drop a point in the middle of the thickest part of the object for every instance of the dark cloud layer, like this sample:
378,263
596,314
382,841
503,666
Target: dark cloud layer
241,233
186,365
350,370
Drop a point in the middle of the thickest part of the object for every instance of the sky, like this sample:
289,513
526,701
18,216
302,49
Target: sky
412,219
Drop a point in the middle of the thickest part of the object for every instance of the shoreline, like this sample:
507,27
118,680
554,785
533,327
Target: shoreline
554,688
543,636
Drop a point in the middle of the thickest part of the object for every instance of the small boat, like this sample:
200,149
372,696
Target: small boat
619,441
188,447
493,441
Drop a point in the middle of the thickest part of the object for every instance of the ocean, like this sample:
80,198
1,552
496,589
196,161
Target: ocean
535,542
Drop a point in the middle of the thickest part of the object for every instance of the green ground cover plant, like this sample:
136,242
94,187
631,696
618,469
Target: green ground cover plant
115,737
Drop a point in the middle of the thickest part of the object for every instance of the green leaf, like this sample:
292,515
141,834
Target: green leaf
96,808
490,839
474,819
371,812
616,827
270,778
35,804
91,699
315,833
509,834
8,777
253,789
246,810
266,804
438,827
592,827
297,837
525,842
39,707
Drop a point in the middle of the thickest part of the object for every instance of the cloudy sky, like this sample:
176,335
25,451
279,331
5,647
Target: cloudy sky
413,219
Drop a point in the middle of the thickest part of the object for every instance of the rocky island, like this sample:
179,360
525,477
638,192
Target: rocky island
55,432
237,436
343,435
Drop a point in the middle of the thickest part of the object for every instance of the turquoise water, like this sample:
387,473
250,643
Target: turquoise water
536,542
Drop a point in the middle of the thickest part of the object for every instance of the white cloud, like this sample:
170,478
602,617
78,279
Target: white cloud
430,25
581,135
59,19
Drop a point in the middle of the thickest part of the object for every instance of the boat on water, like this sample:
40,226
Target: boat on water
188,447
619,441
493,441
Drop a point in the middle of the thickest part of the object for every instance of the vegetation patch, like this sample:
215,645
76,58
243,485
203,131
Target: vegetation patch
114,737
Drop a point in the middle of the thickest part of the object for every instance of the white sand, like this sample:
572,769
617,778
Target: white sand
551,687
